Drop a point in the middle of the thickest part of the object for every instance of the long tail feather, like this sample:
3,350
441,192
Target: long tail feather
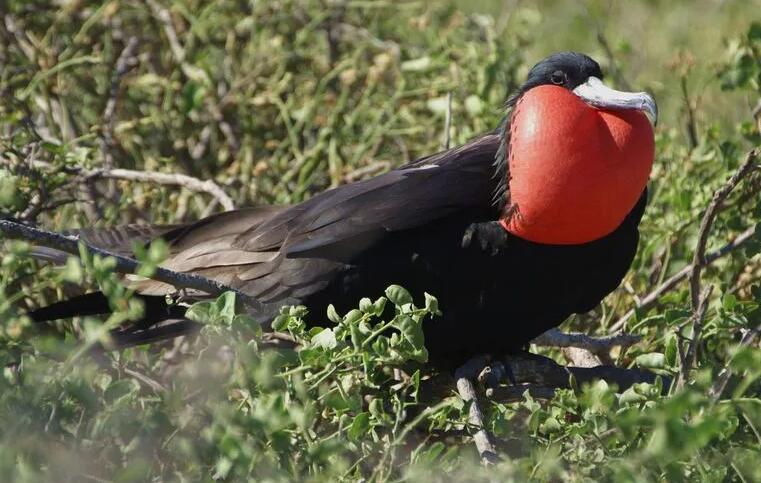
159,322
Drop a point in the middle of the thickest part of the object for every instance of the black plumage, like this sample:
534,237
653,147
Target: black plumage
429,226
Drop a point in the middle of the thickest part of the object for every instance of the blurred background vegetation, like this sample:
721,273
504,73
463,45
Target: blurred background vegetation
278,100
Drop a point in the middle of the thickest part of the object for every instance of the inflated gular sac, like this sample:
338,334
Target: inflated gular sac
575,171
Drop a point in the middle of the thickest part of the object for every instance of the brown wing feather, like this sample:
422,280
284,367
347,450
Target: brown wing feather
281,254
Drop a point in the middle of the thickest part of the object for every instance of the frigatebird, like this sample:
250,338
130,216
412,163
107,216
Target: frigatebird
513,231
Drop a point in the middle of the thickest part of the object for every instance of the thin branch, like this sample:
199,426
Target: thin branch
669,284
719,196
688,359
71,244
700,298
165,17
193,184
178,51
124,64
555,338
448,122
721,382
464,376
170,179
692,130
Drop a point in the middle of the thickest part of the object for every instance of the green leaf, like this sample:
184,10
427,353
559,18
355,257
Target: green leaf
359,426
224,307
398,295
671,348
352,317
412,331
333,314
652,360
200,312
416,65
432,304
120,389
326,339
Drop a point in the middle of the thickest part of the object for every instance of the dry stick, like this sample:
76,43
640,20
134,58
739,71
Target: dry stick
721,382
650,299
178,51
175,179
464,376
448,122
172,179
700,301
70,244
124,64
165,17
687,360
692,130
600,344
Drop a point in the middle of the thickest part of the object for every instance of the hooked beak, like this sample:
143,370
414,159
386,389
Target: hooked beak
597,94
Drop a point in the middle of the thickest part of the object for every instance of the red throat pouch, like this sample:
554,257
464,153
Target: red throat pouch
575,171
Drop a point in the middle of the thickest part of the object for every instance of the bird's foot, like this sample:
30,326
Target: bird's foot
490,236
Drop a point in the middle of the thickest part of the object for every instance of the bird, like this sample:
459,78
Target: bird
513,231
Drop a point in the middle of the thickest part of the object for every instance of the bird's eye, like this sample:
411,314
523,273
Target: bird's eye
558,77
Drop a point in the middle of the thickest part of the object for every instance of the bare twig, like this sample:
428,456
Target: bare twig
756,112
698,259
723,379
178,51
175,179
692,130
688,360
70,244
700,299
464,376
600,344
448,122
651,298
124,64
172,179
165,17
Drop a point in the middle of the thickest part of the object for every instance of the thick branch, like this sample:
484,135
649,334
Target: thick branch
70,244
597,345
541,376
464,377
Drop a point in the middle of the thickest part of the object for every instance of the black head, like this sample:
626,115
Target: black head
581,75
565,69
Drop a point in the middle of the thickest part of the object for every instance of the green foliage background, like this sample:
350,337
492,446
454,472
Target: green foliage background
277,100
